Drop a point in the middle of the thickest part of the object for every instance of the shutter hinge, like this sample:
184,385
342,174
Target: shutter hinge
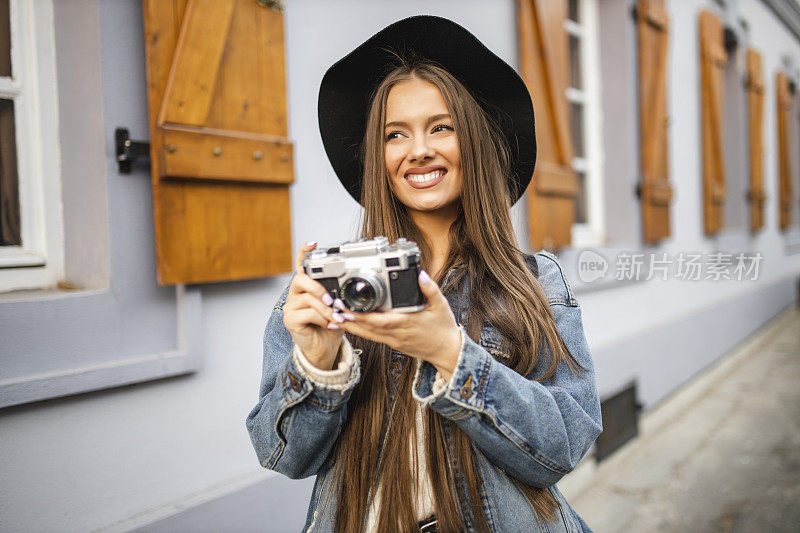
277,5
129,151
731,40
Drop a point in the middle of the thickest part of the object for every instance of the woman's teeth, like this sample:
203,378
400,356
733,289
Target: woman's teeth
422,178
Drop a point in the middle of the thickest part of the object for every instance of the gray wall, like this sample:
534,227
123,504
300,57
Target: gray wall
126,328
123,458
618,100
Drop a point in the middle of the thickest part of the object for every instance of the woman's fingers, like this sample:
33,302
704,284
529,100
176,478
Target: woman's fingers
365,332
309,300
383,319
306,300
301,254
309,315
431,290
302,283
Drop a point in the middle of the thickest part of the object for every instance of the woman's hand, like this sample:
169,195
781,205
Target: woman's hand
307,314
431,334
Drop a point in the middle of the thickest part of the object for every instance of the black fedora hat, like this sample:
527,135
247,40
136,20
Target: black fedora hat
348,84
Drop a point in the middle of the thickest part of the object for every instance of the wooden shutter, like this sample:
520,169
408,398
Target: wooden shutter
543,66
655,191
755,111
713,59
221,163
784,102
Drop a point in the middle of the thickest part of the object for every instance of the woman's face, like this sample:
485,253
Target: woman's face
422,154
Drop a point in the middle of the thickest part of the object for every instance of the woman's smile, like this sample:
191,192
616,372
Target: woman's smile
422,178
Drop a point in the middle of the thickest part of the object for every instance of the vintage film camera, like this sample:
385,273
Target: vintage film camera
370,274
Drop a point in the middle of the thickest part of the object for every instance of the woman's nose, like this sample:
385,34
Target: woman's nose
421,149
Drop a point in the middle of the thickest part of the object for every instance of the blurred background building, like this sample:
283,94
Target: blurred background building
133,296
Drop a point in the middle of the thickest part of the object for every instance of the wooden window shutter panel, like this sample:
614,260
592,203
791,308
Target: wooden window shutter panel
713,59
221,161
755,111
784,103
655,190
543,66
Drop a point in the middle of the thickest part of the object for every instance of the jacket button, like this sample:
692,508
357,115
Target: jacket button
295,383
466,392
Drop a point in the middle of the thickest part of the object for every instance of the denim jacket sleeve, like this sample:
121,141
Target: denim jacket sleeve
536,431
296,421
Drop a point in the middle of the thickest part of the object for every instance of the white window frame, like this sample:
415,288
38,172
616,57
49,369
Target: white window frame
791,236
592,233
39,261
794,137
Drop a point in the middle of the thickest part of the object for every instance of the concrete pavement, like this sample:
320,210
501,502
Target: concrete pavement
722,454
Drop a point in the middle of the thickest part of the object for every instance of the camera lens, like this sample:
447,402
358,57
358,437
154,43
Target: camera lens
359,294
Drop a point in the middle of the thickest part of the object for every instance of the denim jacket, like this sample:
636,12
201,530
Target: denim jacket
534,431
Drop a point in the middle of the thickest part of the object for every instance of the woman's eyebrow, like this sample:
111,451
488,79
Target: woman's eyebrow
433,118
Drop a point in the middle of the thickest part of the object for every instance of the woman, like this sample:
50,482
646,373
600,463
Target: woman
464,415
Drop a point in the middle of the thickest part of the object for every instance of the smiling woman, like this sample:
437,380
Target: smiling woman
422,155
407,419
423,108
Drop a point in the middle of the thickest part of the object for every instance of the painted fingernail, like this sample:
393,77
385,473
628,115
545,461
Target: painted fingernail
333,326
311,243
327,299
339,304
424,277
349,317
338,318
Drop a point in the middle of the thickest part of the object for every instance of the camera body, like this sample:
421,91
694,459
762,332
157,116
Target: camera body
370,274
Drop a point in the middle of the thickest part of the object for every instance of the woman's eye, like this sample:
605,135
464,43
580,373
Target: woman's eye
442,127
393,135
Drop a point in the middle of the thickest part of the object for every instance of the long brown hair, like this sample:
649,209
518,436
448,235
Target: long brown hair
485,255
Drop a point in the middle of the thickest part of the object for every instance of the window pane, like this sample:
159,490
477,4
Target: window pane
576,128
580,199
10,233
5,40
574,62
573,10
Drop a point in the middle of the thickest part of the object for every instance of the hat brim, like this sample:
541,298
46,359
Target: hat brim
348,84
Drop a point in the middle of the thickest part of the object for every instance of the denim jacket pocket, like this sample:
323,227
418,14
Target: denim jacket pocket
494,342
491,338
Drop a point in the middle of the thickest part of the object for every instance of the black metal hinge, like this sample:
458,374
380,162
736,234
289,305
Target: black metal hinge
129,151
731,40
